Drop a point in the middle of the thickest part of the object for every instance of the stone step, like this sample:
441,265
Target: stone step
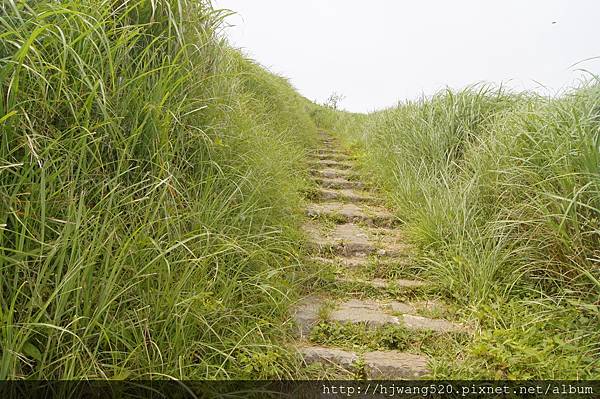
338,182
332,156
346,239
378,314
330,150
381,283
358,262
332,173
348,212
379,365
392,365
332,164
347,195
356,311
351,240
328,357
372,313
306,314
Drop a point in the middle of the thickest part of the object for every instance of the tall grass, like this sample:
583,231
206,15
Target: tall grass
148,188
500,192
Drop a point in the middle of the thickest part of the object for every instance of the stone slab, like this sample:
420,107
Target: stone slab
351,212
328,356
382,365
338,183
306,314
362,311
332,173
333,163
384,283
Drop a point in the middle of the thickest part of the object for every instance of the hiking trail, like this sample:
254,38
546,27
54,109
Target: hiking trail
376,319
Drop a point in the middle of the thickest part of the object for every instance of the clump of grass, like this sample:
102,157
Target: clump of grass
363,338
148,190
500,192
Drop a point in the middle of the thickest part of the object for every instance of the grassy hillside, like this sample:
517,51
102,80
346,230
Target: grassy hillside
150,188
149,183
500,193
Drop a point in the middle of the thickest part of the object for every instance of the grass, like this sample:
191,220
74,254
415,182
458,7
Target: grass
148,197
363,338
151,178
500,194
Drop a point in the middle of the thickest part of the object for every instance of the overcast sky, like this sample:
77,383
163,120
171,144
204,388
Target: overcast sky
378,52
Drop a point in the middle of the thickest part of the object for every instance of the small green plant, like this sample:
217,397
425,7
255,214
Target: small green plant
325,310
359,369
363,338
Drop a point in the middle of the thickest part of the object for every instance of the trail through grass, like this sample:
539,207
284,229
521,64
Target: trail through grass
151,182
500,192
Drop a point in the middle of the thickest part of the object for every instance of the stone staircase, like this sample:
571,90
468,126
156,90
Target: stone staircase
350,232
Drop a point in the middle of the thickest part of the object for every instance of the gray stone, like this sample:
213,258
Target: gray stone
312,230
347,195
327,356
353,244
359,311
347,239
334,209
327,194
395,365
415,307
306,314
332,173
333,156
338,183
375,283
354,262
350,239
383,283
316,238
333,163
401,307
351,195
331,150
390,242
352,213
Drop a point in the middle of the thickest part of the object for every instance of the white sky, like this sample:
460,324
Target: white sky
377,52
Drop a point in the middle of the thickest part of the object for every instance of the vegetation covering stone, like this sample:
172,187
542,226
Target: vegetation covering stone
348,244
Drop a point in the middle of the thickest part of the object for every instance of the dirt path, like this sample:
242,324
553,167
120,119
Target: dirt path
374,320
